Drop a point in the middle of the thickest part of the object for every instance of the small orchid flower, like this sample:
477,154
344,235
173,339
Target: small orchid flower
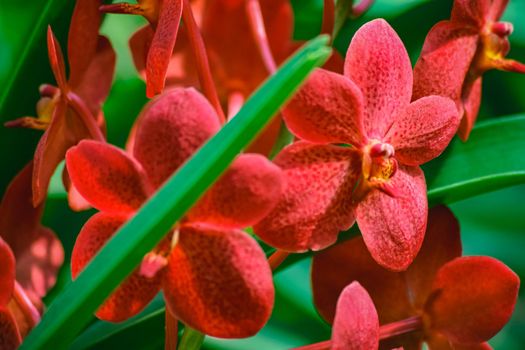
38,255
457,53
164,19
72,111
377,180
442,299
215,277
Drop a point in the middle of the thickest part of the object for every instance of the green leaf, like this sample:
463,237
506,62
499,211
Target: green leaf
72,309
493,158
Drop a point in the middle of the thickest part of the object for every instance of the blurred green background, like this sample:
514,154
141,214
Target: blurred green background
492,224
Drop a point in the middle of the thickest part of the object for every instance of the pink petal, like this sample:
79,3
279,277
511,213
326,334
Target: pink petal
7,273
423,130
218,282
100,69
378,63
470,12
246,193
445,60
442,244
356,325
394,227
170,130
107,177
327,109
83,37
473,298
496,9
162,46
135,292
334,268
471,103
10,338
317,202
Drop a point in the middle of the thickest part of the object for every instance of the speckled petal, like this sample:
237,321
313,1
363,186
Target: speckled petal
473,298
470,12
170,129
135,292
10,338
356,325
394,227
246,193
219,282
327,109
317,202
7,273
471,103
378,63
107,177
423,130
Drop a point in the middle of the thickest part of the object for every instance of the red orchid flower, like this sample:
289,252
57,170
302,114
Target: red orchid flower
38,253
214,276
443,299
164,19
72,111
457,52
377,180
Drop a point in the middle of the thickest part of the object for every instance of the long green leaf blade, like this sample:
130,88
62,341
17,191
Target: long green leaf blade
73,308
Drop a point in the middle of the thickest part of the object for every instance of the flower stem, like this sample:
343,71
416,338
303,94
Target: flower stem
85,114
328,17
253,7
26,305
201,59
191,339
277,258
172,334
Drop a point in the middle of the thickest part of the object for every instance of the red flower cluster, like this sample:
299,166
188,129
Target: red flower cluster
362,135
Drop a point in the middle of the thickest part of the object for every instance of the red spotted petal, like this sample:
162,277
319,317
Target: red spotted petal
471,103
139,44
445,60
246,193
356,325
219,282
482,346
107,177
100,69
162,46
496,9
317,203
170,130
56,59
473,298
327,109
7,273
135,292
39,254
83,38
423,130
394,227
378,63
334,268
470,12
10,338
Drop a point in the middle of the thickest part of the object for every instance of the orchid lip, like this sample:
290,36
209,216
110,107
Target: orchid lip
502,29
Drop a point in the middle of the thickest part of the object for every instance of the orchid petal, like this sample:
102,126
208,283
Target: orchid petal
135,292
83,38
339,265
317,202
394,227
7,273
470,12
356,325
162,46
10,338
423,130
445,60
218,282
378,63
107,177
56,59
327,109
496,9
170,130
471,104
472,299
246,193
139,44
